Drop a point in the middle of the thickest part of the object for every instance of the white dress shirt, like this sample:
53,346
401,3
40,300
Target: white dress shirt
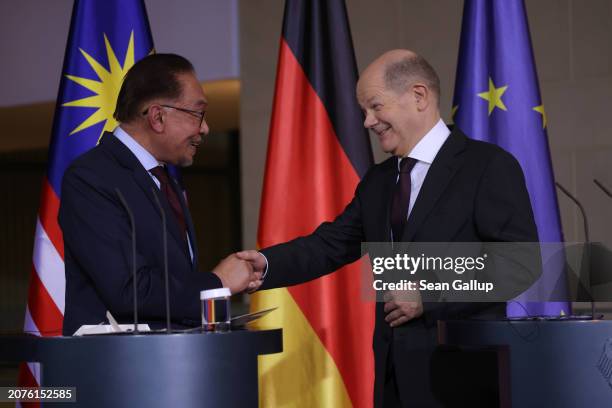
145,158
424,152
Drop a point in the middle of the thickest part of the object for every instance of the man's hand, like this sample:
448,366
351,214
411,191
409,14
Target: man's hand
402,306
255,258
255,283
259,264
236,274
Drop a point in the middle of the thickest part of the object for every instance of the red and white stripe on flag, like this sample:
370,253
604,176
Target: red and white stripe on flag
45,309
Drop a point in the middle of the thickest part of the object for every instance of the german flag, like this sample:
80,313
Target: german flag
318,150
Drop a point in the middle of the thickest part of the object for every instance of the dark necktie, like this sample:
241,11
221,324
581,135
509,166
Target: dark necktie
401,198
161,174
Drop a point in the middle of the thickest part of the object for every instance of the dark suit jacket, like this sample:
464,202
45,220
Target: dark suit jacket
473,191
98,246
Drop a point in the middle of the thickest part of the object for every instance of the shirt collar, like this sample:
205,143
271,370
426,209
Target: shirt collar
144,157
428,147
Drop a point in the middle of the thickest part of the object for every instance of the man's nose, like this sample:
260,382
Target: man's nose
204,129
369,121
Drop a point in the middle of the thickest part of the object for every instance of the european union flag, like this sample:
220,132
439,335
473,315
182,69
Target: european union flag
497,100
105,39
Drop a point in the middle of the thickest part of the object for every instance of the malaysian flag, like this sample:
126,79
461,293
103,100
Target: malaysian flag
105,39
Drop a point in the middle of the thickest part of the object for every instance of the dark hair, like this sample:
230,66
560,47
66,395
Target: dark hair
154,76
400,73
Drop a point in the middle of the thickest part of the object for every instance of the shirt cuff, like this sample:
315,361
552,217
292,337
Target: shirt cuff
266,271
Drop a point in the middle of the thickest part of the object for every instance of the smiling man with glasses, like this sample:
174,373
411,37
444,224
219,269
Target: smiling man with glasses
161,110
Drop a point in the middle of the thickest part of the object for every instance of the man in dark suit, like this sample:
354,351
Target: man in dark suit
438,186
161,108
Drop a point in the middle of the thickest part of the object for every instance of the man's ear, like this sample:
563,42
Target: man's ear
155,118
422,96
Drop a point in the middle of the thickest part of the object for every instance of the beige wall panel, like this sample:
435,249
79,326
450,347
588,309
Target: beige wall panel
260,30
564,168
595,105
375,27
592,163
550,36
563,121
253,152
579,112
592,103
592,38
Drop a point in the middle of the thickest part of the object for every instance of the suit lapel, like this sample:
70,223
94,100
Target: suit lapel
127,159
445,165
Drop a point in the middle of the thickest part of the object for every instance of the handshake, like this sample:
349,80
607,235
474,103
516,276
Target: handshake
242,271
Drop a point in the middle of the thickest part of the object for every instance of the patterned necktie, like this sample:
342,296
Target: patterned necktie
401,198
161,174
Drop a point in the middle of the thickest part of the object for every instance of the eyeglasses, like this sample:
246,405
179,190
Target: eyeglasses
197,114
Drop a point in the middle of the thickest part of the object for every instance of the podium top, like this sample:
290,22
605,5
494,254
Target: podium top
25,347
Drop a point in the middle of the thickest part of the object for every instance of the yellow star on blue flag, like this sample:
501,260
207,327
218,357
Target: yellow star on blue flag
494,96
540,110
